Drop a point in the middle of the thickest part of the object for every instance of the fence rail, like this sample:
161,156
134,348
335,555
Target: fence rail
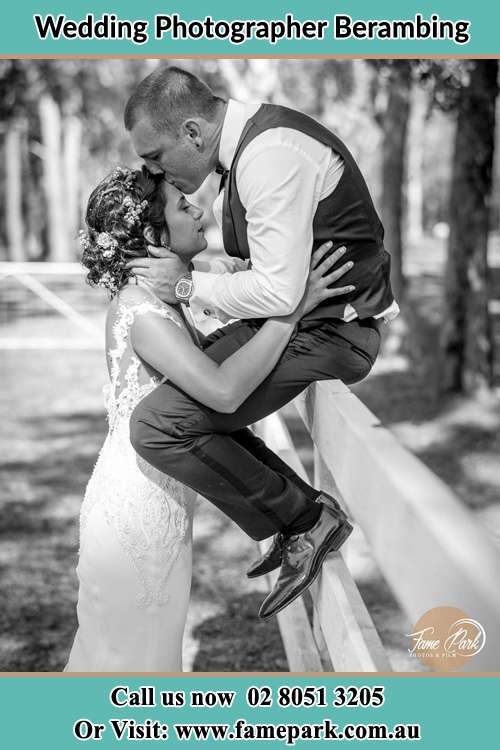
431,550
86,335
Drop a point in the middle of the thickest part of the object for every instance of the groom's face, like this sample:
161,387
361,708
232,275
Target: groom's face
176,156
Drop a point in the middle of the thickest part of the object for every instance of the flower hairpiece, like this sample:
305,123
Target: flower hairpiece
123,172
107,243
108,282
134,210
103,241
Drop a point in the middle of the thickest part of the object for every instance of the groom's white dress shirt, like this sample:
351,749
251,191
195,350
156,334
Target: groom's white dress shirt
281,177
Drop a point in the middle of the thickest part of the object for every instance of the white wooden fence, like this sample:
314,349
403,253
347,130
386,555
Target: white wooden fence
430,549
85,334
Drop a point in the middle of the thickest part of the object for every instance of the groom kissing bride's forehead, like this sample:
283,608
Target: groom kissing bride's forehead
290,185
175,122
295,216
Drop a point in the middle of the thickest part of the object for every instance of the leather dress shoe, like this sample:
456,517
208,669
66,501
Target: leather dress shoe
303,555
332,503
271,559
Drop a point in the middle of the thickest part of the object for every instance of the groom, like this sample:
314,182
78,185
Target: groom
288,185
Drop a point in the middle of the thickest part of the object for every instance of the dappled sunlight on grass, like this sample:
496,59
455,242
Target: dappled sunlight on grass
234,639
54,424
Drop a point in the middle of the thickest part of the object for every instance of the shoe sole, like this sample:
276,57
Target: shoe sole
262,572
335,541
256,574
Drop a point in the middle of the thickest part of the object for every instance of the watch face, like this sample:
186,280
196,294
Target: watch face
183,288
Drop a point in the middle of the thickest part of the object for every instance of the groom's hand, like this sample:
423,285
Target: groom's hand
160,272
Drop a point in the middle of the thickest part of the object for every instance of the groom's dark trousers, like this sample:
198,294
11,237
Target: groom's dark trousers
216,455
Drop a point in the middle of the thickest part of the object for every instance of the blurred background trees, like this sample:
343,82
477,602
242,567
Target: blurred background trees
423,133
391,91
470,89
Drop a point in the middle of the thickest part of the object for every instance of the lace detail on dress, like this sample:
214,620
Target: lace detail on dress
148,509
150,519
120,404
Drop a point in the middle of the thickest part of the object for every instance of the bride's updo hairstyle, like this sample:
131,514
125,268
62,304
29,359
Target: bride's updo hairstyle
118,210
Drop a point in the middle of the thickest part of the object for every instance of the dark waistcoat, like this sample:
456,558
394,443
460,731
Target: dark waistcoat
346,217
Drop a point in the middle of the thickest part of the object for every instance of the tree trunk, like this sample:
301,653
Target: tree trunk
395,127
72,143
50,120
415,189
13,194
467,338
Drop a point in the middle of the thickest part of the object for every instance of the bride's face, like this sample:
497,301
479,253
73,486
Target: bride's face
187,237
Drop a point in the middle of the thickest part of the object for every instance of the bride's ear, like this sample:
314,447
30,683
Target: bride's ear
155,249
149,235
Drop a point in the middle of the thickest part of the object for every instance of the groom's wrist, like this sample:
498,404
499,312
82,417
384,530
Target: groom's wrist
183,288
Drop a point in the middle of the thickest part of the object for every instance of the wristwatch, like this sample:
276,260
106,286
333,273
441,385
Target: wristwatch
184,289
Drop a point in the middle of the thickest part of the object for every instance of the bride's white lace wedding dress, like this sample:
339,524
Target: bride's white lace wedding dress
134,564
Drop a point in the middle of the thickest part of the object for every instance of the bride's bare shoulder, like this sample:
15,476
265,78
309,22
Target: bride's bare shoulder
133,294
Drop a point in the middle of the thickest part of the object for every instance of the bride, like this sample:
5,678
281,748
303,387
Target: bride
134,565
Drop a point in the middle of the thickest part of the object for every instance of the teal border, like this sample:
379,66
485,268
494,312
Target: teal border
454,712
18,34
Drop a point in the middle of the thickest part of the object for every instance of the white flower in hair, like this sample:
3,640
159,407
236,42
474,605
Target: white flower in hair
107,243
134,210
120,172
107,281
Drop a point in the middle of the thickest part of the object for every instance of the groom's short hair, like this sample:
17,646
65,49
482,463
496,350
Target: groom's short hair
168,96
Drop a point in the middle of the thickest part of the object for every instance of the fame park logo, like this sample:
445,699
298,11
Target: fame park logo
445,638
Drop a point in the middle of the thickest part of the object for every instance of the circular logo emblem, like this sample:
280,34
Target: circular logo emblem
445,638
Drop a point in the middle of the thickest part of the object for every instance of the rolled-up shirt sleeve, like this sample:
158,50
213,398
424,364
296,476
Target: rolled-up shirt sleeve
278,185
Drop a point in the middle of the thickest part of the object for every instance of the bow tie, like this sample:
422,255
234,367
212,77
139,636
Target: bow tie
224,174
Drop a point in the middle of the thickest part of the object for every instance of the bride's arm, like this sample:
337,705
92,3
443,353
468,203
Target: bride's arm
225,386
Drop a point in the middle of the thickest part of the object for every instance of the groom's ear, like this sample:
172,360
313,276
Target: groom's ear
191,129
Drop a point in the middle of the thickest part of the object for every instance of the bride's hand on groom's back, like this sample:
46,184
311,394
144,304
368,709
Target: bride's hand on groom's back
322,276
160,271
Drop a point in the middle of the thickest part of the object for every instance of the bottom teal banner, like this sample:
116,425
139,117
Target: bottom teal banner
435,711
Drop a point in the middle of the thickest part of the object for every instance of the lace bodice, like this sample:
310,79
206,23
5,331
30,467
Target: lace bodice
129,380
149,511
